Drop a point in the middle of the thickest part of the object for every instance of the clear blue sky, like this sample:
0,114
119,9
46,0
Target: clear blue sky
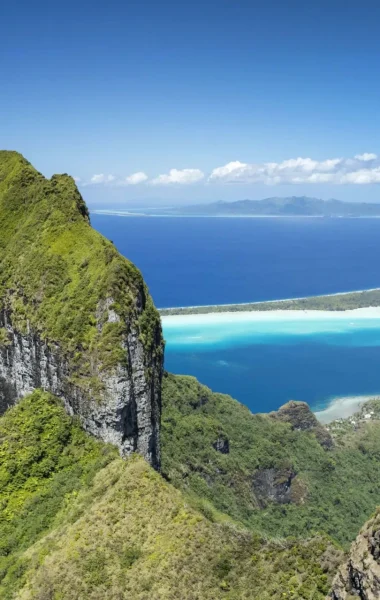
118,88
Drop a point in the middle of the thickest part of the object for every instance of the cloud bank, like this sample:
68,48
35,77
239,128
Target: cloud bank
362,169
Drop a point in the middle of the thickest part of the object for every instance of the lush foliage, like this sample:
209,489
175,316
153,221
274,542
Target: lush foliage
334,491
73,526
56,272
45,459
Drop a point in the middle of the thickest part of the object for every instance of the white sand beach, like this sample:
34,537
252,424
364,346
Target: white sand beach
341,408
372,312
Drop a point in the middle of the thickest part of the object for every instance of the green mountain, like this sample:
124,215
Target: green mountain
252,507
282,474
75,316
289,206
76,521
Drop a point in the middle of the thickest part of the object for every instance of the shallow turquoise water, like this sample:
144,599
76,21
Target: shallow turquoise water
266,363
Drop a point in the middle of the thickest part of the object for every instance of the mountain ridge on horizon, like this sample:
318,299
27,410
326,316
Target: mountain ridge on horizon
283,206
271,206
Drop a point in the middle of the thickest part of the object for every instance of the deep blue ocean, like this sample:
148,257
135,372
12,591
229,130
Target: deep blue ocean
195,261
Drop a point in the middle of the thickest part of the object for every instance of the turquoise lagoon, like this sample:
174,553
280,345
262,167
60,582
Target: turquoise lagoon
329,359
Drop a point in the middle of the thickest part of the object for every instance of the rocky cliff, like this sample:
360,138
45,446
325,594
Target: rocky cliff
76,318
301,418
359,577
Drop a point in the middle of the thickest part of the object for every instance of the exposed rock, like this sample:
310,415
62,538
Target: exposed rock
301,418
102,354
128,412
222,445
360,576
277,485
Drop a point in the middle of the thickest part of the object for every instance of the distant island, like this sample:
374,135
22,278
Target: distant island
280,207
292,206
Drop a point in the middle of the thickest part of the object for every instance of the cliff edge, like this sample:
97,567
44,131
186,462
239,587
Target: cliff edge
360,576
76,318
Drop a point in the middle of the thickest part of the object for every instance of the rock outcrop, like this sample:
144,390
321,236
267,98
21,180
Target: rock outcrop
76,318
360,576
301,418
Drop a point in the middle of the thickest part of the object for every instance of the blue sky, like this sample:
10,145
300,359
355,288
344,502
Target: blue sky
149,101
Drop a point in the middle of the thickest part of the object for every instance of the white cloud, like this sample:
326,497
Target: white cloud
182,177
101,178
302,170
136,178
366,156
229,168
362,176
77,179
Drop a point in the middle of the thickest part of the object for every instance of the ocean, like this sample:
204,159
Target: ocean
196,261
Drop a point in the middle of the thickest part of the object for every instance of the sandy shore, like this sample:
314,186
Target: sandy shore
341,408
372,312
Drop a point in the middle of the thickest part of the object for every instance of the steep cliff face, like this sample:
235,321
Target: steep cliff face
76,318
360,576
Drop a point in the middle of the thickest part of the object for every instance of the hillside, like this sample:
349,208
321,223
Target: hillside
78,522
281,474
76,317
277,206
252,507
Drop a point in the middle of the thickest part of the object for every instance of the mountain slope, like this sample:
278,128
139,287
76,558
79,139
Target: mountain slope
75,316
281,474
76,522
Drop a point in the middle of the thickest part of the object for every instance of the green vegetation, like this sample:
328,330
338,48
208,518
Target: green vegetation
315,489
347,301
57,273
77,522
45,460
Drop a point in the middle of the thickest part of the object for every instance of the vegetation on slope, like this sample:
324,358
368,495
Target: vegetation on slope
333,302
76,522
263,472
45,459
55,271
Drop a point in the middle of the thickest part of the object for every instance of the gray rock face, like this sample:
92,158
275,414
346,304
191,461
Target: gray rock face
128,413
360,576
222,445
301,418
273,485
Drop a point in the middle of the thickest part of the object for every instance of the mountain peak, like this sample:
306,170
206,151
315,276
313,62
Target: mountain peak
76,318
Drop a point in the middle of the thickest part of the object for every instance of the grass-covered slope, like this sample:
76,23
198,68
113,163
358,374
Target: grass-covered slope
45,459
77,522
263,471
55,270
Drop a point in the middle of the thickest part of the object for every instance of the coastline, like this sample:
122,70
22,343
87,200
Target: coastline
215,325
339,301
121,213
370,312
271,301
342,408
